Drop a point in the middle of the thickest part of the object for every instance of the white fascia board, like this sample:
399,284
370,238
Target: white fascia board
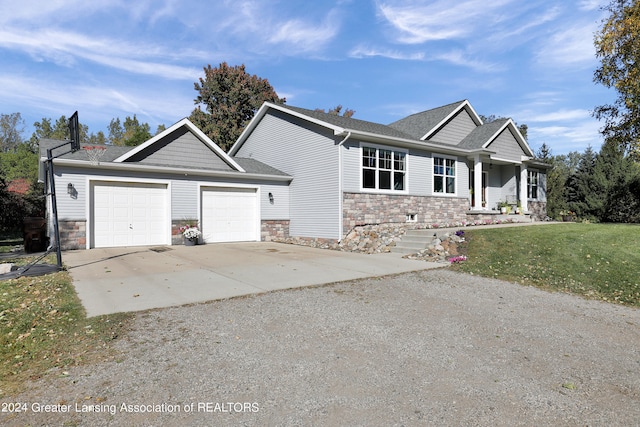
136,167
196,131
476,118
514,130
263,110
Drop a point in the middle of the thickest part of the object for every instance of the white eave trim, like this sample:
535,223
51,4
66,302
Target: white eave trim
519,138
136,167
197,132
476,118
263,110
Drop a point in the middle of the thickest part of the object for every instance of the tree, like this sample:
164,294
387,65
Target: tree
11,129
564,166
230,98
21,163
336,111
584,193
618,49
135,133
619,176
45,130
58,130
544,153
116,132
128,133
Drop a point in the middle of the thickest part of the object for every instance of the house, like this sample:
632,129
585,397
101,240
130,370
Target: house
296,172
439,166
19,186
133,196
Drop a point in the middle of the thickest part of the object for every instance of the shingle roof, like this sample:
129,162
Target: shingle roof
417,125
111,152
480,135
350,123
254,166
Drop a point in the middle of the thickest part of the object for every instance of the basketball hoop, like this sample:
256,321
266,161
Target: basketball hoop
94,153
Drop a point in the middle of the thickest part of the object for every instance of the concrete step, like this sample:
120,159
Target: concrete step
415,240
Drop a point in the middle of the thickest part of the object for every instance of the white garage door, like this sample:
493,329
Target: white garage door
229,215
129,214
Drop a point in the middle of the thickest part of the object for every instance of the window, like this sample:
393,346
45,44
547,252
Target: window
444,175
383,169
532,184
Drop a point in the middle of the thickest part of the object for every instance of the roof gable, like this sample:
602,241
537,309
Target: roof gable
426,124
181,145
501,136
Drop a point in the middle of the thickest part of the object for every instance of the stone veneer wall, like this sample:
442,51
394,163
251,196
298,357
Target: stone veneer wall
360,209
274,230
538,210
73,234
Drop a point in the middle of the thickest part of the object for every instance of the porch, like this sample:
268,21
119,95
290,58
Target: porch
497,184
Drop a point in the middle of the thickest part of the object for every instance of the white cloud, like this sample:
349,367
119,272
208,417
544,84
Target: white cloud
569,47
66,48
458,57
304,36
364,52
562,115
418,22
93,101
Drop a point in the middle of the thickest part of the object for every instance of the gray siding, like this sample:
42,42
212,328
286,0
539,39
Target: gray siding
419,172
420,168
351,169
542,186
181,148
71,206
506,146
184,199
184,192
456,129
309,153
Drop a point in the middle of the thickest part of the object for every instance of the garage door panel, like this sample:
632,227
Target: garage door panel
129,214
229,214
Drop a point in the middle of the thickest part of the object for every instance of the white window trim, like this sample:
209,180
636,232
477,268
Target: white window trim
433,175
392,149
537,172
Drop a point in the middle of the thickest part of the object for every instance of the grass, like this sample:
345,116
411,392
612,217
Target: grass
44,329
8,241
598,261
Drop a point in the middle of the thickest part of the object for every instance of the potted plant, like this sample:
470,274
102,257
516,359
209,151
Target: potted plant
503,207
190,234
567,216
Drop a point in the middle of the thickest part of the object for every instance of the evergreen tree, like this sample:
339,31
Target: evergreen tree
620,176
584,194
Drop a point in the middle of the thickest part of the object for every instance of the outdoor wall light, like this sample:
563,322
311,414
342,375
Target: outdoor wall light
271,198
70,188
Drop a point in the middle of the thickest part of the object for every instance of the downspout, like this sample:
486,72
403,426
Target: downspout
340,193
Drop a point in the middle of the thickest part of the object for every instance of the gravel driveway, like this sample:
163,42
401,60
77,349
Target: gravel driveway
426,348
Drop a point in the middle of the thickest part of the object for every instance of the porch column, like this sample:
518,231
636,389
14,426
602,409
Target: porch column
477,183
523,187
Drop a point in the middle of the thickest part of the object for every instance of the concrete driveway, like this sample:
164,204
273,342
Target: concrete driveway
138,278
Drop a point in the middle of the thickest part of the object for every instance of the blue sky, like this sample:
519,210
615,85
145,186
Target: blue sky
385,59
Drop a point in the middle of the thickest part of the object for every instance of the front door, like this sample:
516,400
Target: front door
472,186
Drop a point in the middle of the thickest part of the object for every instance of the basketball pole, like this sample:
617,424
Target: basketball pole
74,146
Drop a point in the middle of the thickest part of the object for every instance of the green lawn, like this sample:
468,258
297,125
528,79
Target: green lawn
43,326
600,261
